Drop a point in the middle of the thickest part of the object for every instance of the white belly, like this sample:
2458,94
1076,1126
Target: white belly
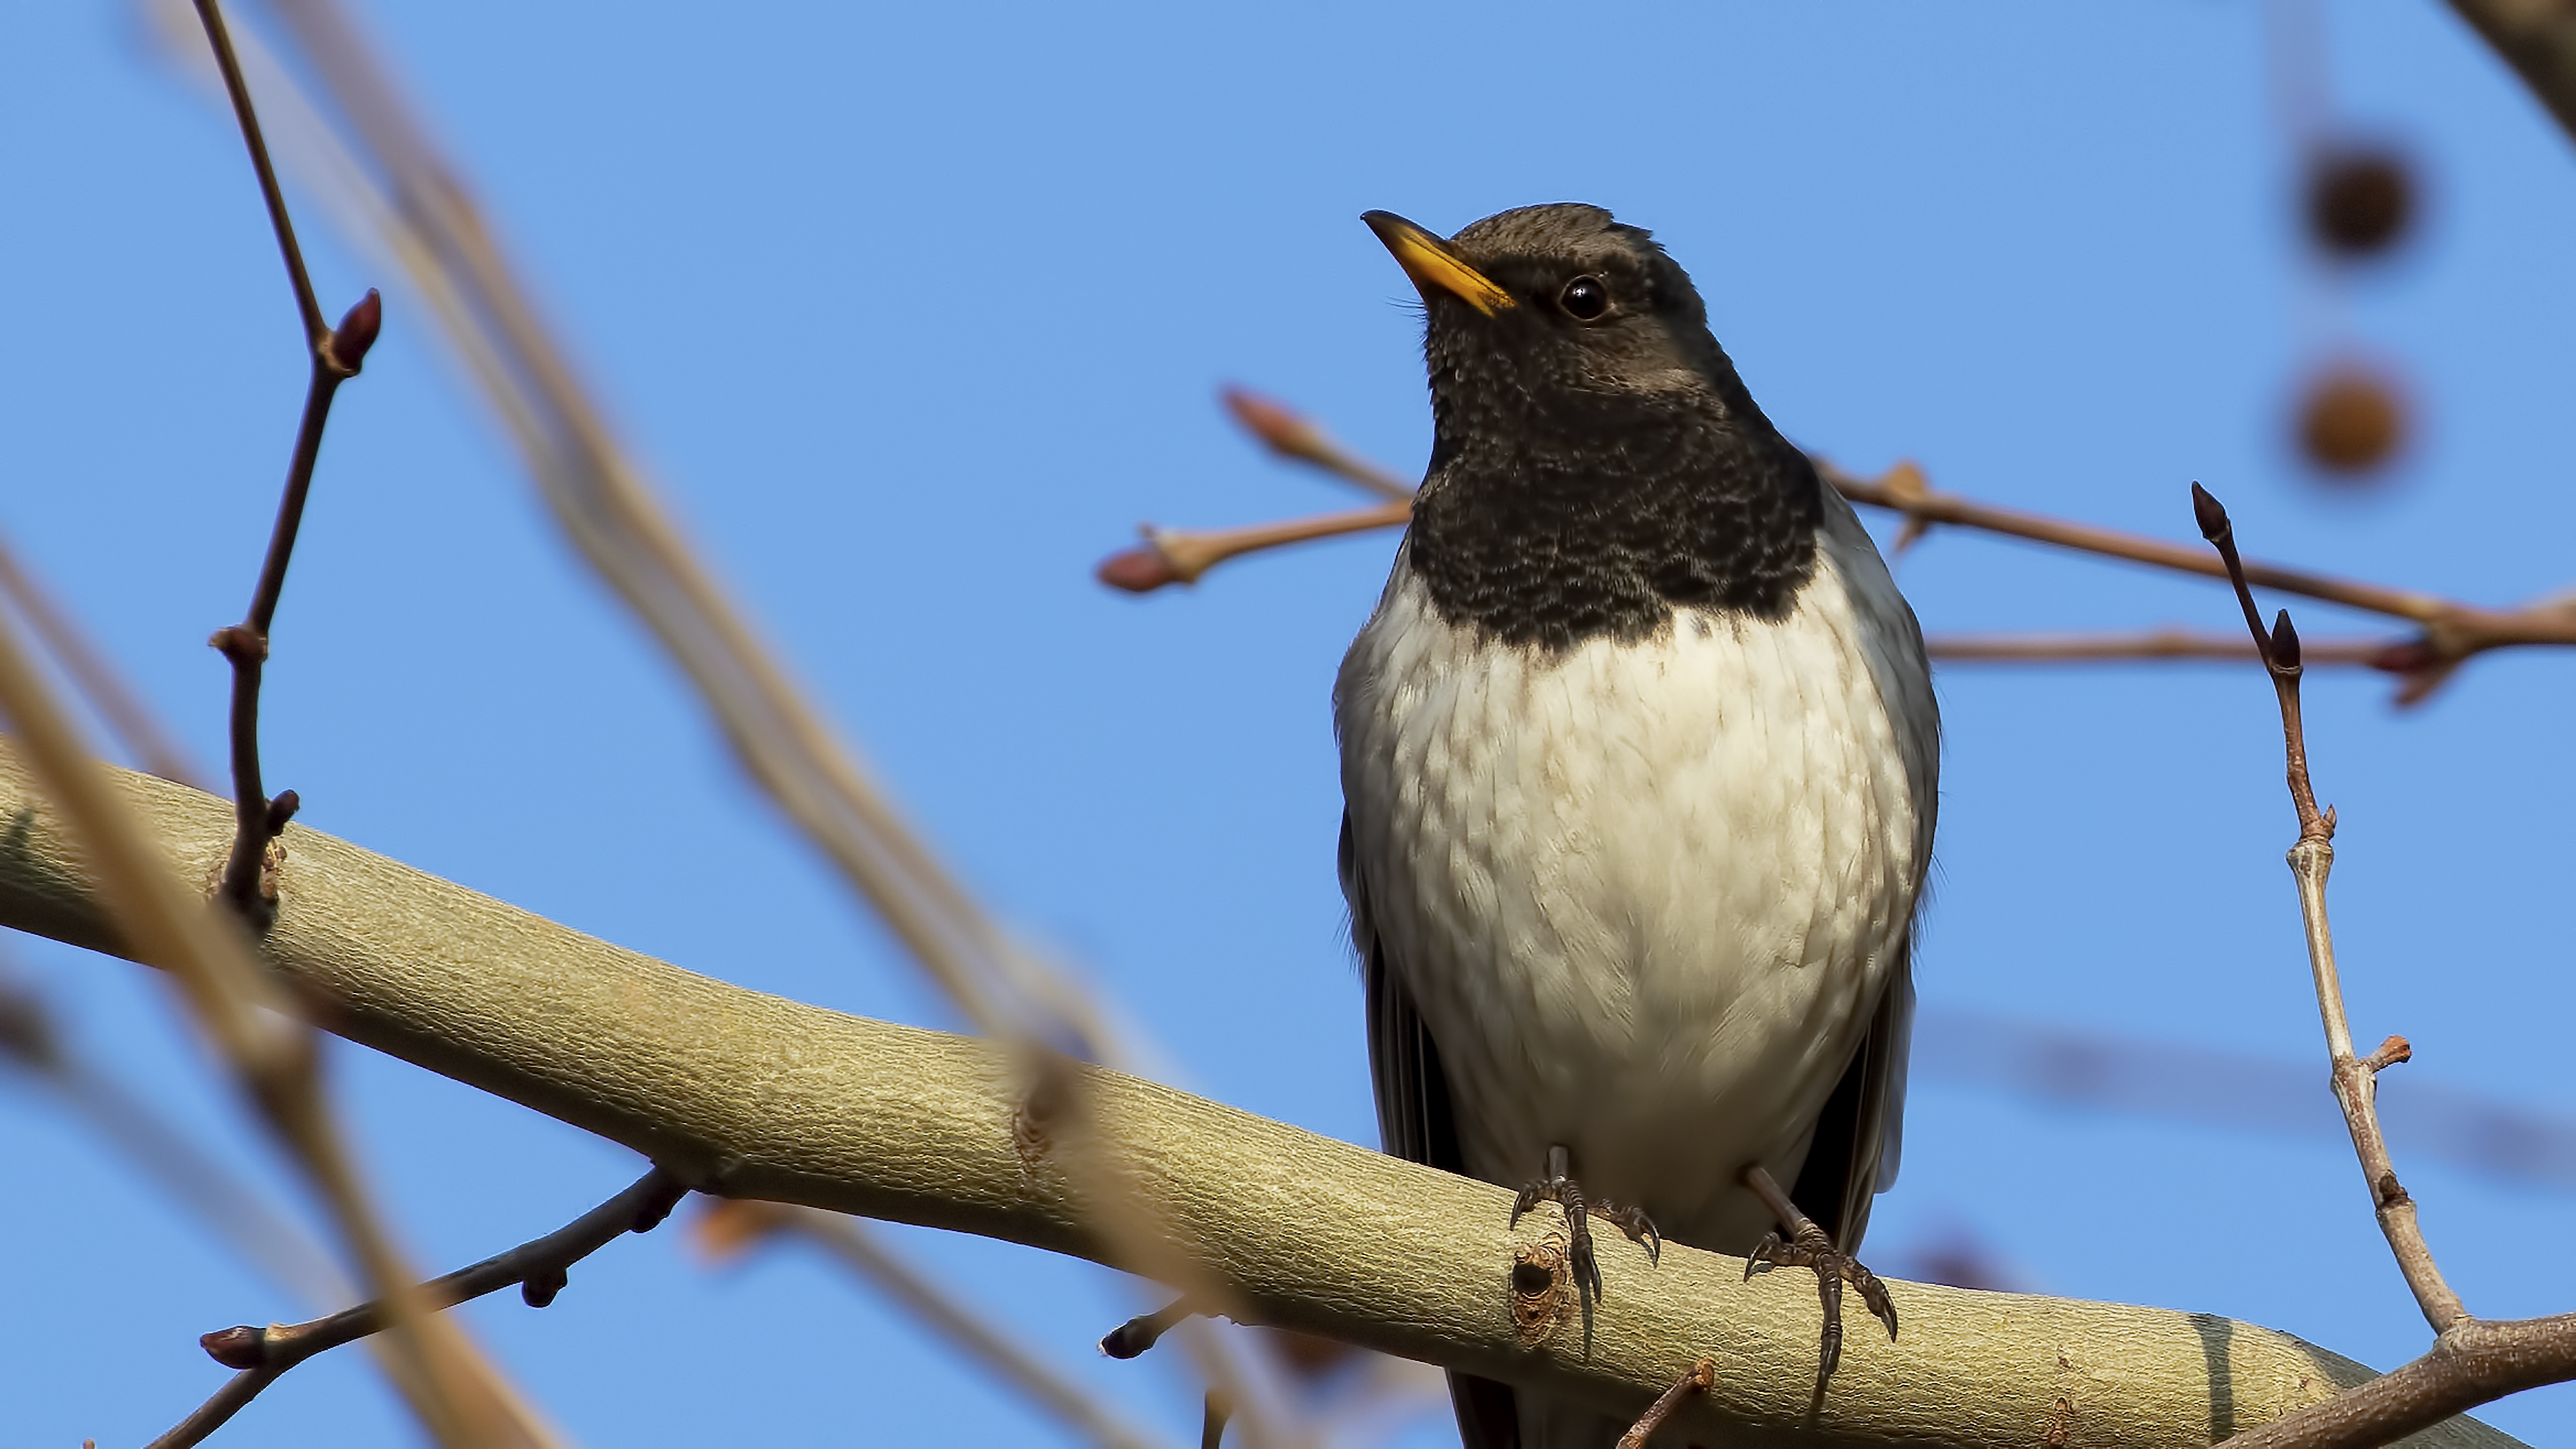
1644,896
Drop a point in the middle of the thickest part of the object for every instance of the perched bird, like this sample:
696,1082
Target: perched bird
1639,755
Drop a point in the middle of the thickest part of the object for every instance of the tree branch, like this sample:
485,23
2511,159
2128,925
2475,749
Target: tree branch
762,1097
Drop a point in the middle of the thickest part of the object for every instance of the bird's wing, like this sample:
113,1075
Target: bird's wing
1415,1123
1854,1152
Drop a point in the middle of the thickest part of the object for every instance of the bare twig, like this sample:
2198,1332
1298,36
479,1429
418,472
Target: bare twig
2163,643
1299,438
1172,556
850,1243
2311,859
539,1266
337,355
1697,1380
2452,632
124,715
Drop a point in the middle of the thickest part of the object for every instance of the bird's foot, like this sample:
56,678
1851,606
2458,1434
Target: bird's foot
1808,1246
1559,1187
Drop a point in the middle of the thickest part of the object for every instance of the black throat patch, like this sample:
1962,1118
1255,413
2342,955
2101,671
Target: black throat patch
1600,521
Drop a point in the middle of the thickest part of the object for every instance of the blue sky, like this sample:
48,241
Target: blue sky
917,312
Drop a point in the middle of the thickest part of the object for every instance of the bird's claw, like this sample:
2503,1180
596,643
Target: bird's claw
1559,1187
1809,1247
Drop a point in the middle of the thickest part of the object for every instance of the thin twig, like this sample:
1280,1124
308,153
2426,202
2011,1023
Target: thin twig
2452,631
2162,643
337,354
1300,439
2311,860
539,1266
1697,1381
851,1244
1171,556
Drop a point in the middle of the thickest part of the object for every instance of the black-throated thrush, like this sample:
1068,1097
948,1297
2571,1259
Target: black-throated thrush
1639,753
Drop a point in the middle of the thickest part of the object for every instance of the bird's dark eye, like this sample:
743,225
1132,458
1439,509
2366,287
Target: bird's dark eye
1584,299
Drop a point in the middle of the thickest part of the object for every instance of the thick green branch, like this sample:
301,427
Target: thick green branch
764,1097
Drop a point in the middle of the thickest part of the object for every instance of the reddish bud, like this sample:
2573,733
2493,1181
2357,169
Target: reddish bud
1280,428
357,332
238,1347
2285,642
1138,570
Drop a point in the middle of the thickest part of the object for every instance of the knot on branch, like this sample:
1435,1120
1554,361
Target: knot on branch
1538,1289
240,643
2387,1193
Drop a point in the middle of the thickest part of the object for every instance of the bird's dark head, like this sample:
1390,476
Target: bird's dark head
1595,461
1556,314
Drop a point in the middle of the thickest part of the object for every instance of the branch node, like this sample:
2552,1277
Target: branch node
240,643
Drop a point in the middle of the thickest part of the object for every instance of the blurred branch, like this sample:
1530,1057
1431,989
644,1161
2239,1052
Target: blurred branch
263,1355
63,642
31,1041
419,209
251,1024
736,1223
756,1096
2538,39
2471,1362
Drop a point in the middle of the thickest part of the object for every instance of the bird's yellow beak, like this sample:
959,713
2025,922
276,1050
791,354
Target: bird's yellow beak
1429,262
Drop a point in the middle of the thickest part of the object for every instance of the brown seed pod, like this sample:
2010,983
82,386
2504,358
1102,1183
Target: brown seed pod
2352,420
2361,201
